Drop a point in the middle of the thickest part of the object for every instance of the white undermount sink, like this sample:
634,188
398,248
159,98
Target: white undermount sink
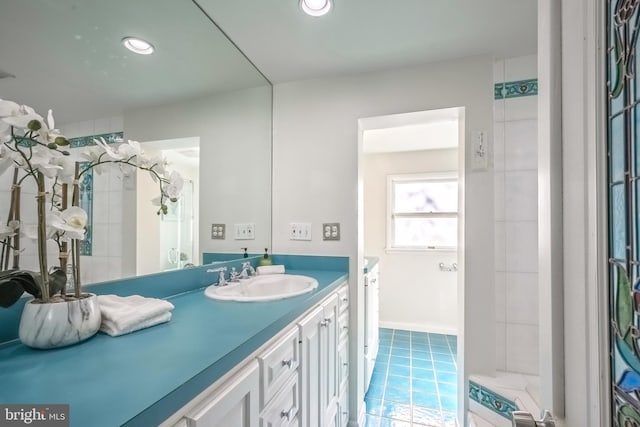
263,288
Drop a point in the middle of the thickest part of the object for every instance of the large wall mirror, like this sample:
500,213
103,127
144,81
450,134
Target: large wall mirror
197,100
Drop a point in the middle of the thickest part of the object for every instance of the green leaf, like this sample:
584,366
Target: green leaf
628,415
624,305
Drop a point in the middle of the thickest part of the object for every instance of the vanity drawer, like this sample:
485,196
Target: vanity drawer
283,409
343,327
277,365
343,298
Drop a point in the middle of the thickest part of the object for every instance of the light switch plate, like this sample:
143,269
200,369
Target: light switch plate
331,231
299,231
218,231
245,231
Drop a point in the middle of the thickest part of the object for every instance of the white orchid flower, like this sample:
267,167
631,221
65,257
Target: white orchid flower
68,224
6,158
18,117
67,172
107,149
41,160
130,150
173,188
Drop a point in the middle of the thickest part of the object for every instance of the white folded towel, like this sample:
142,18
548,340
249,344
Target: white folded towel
270,269
121,315
110,328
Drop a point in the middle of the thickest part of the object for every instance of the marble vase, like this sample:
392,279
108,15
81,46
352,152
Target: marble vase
59,324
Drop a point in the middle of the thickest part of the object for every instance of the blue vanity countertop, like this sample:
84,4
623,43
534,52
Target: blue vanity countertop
142,378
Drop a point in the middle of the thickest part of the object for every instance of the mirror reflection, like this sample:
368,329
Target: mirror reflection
196,100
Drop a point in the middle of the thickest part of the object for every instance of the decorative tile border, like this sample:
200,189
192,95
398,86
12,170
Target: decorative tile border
489,399
87,141
86,203
515,89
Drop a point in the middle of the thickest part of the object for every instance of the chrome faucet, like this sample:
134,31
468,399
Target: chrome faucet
221,280
234,276
247,270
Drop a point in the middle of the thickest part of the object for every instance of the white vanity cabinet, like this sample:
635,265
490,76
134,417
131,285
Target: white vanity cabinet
371,320
298,378
234,403
319,361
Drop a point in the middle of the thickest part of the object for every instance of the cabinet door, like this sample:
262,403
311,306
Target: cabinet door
310,363
330,350
235,403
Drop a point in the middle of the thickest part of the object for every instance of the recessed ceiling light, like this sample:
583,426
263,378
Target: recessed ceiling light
315,7
137,45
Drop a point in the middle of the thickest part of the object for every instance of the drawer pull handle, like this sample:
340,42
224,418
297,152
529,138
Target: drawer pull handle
345,299
286,414
345,364
287,363
346,328
325,322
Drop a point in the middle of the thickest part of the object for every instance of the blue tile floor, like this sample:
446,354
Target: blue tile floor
414,381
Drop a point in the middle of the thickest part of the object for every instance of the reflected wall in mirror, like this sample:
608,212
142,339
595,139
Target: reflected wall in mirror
197,99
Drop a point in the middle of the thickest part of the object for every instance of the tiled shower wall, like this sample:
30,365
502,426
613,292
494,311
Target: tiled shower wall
105,262
516,214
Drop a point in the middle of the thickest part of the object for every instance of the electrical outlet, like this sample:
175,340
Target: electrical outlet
331,231
245,231
299,231
218,231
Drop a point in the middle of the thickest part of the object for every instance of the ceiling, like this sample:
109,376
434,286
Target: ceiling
367,35
67,53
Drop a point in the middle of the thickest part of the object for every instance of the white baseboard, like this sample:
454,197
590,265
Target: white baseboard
419,327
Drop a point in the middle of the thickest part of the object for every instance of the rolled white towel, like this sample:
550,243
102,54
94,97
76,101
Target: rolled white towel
270,269
128,313
110,328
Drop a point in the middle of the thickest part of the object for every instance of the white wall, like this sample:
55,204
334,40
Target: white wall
316,179
516,216
235,159
414,293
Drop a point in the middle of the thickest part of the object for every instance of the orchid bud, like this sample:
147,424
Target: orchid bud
34,125
61,141
173,199
52,145
65,153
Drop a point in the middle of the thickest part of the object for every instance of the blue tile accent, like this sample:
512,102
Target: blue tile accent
86,203
444,366
397,394
449,403
515,89
423,374
447,377
419,354
87,141
489,399
447,388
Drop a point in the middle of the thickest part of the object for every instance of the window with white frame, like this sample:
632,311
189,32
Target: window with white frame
422,211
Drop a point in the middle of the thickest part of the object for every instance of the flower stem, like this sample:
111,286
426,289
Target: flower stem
63,254
15,203
75,249
42,238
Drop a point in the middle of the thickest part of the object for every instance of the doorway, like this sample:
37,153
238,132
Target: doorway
170,241
410,205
